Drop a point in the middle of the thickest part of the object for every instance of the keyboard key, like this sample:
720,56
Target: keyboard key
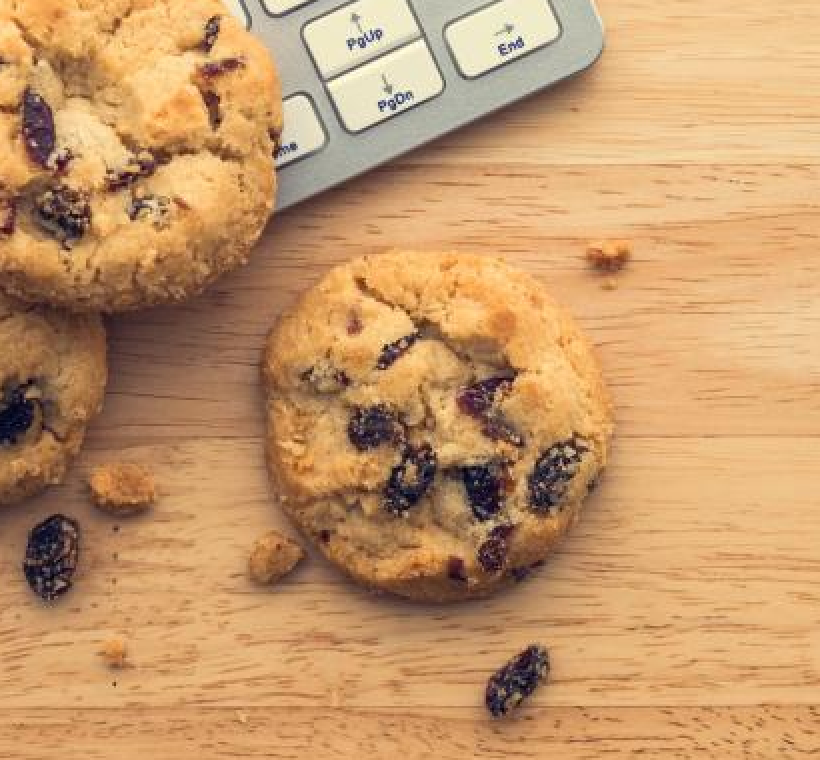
238,10
494,36
387,87
281,7
358,33
303,135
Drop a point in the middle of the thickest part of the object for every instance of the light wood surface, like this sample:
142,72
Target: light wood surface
683,613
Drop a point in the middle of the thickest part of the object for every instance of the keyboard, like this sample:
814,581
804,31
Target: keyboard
368,80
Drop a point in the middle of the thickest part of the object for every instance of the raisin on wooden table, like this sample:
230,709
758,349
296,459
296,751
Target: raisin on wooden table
51,556
517,680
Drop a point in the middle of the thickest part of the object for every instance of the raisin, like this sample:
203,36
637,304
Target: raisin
38,128
324,536
354,325
63,159
324,377
138,167
553,472
500,430
483,486
8,216
517,680
51,556
17,415
64,212
456,569
492,554
211,33
410,479
372,426
224,66
157,208
394,351
213,106
478,399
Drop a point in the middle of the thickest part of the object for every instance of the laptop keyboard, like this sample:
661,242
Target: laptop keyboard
368,80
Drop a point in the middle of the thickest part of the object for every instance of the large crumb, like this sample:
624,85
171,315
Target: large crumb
123,489
609,255
114,653
273,556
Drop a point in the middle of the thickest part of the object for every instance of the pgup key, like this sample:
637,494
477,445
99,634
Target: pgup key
359,32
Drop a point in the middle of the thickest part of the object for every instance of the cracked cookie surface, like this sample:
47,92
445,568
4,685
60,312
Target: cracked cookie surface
434,421
51,385
136,149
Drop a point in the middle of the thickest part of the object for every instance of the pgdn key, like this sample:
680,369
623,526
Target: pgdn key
387,87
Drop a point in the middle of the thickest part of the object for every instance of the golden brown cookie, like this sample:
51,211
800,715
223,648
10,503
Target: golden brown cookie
51,384
136,141
434,421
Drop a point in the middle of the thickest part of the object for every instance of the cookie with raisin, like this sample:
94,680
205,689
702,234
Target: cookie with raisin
136,149
52,379
435,421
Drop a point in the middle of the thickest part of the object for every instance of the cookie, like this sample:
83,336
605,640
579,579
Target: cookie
51,384
136,149
434,422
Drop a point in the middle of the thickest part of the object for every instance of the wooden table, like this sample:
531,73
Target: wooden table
683,614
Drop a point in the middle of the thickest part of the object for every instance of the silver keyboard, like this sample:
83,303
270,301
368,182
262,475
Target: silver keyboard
368,80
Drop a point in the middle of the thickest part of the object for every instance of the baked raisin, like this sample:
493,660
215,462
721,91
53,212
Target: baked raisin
410,479
156,208
64,212
8,216
457,569
554,470
324,536
213,105
354,325
517,680
483,486
498,429
51,556
211,33
142,165
63,160
478,399
394,351
17,414
324,377
492,554
224,66
372,426
39,133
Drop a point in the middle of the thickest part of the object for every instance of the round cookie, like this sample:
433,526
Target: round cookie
51,384
136,149
434,421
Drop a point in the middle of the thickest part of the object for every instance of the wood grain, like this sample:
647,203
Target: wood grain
683,613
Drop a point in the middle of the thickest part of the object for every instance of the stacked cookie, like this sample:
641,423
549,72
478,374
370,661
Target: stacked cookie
136,167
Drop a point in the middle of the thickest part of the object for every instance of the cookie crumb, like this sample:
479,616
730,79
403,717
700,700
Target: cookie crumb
123,489
610,283
273,556
609,255
114,653
241,718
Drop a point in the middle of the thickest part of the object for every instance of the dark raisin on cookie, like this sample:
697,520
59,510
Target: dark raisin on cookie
483,486
63,160
457,569
139,166
373,426
517,680
211,33
8,216
39,133
213,105
63,212
324,377
394,351
478,399
492,554
155,208
18,413
497,429
51,556
215,69
554,471
410,479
